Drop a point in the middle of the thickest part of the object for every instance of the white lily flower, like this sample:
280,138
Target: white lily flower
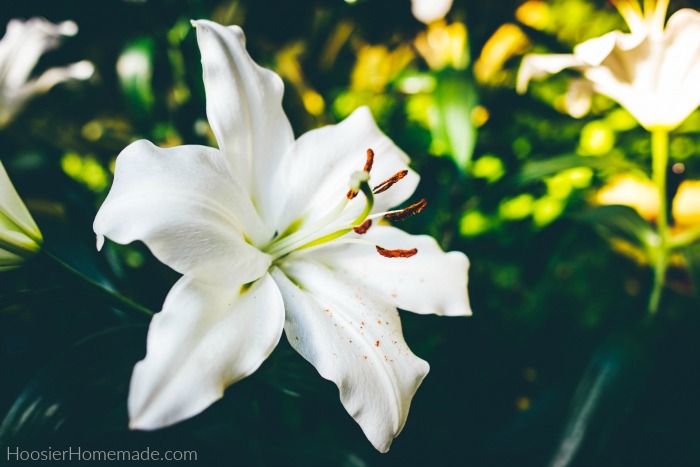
652,71
429,11
270,234
20,238
20,49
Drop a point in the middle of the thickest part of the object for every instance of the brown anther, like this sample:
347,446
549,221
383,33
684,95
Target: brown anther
408,212
388,183
363,228
396,253
351,194
370,161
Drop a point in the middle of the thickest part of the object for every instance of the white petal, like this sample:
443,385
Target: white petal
53,76
244,107
315,175
679,74
186,206
20,49
14,99
205,339
595,51
432,281
24,43
537,66
427,11
578,97
13,209
356,342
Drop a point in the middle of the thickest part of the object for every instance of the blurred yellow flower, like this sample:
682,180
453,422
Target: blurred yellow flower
20,238
686,205
641,195
635,192
534,13
443,45
377,66
508,40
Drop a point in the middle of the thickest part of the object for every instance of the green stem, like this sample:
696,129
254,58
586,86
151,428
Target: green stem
659,156
113,297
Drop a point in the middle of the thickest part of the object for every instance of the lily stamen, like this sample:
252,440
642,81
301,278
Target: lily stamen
407,212
396,253
363,228
388,183
370,160
326,232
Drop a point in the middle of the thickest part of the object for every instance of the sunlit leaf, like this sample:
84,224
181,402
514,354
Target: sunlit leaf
456,97
608,387
623,222
536,170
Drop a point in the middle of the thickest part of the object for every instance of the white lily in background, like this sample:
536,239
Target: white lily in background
270,234
20,238
652,71
20,49
429,11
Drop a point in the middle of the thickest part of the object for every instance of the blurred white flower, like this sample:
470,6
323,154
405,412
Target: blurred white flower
20,49
428,11
20,238
271,234
652,71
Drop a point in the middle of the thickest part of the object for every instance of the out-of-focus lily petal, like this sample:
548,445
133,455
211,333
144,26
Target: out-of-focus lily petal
427,11
188,208
13,209
25,42
538,66
20,238
652,72
205,339
578,97
355,341
16,99
20,49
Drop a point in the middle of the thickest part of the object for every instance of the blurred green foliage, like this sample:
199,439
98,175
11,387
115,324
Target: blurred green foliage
511,180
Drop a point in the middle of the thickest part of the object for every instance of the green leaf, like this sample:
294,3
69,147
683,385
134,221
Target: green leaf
456,97
81,390
692,256
535,170
135,71
608,388
623,222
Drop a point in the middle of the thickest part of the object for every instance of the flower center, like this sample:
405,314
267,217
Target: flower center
334,227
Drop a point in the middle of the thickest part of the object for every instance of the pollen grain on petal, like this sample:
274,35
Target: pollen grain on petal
370,160
408,212
388,183
396,253
363,228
